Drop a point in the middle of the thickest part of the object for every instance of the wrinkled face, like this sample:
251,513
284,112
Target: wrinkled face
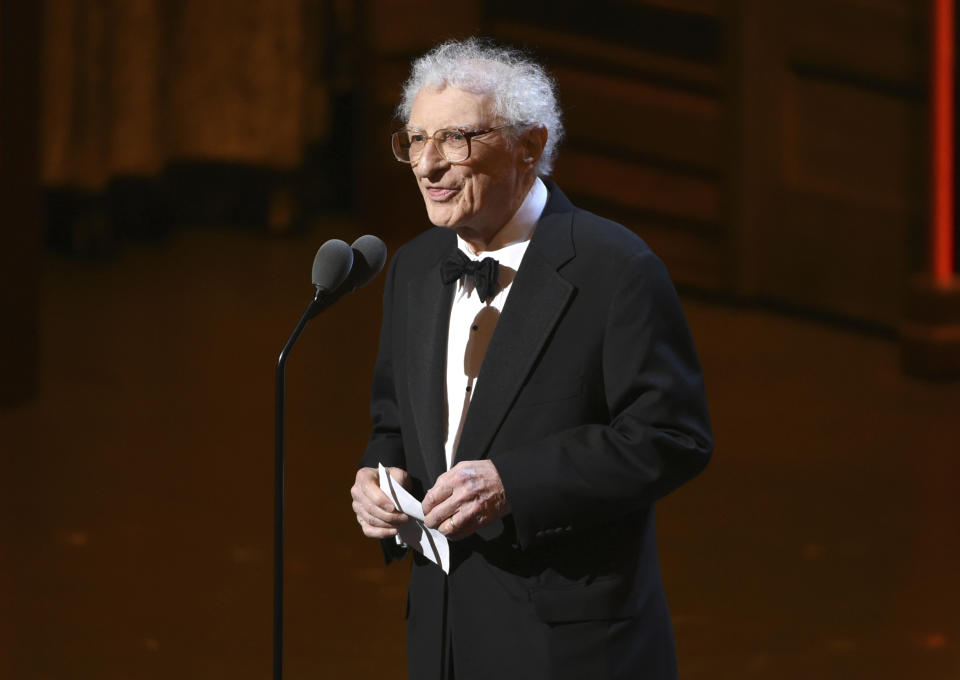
476,197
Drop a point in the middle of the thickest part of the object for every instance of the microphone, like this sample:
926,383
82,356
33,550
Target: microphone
369,256
366,256
331,265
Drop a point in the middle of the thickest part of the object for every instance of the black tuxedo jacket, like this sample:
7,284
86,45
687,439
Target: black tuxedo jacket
590,403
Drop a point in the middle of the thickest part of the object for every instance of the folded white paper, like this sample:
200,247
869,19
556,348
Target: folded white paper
429,542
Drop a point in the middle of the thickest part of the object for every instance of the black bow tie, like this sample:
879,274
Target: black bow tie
484,273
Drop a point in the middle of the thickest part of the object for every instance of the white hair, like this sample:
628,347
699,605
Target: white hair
523,92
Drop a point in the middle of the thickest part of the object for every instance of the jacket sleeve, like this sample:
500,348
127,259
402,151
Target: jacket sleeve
658,435
386,443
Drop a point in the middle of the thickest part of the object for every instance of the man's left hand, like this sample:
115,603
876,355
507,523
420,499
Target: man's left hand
466,497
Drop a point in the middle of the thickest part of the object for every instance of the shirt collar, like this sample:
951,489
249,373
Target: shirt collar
510,242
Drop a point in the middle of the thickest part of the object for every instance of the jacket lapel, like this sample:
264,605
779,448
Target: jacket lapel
537,300
428,306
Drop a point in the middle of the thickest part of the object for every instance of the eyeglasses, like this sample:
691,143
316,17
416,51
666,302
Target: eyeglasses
452,143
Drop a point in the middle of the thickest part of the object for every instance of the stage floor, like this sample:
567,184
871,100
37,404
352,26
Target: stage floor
822,542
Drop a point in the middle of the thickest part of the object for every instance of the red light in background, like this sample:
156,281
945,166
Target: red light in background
942,213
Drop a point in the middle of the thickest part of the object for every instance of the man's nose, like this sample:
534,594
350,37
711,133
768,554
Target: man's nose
430,161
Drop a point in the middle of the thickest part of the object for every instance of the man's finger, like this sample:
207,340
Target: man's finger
442,490
399,475
461,525
449,527
372,491
379,505
377,532
372,521
441,513
392,517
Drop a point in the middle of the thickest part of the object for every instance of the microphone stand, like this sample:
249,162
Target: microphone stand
315,307
336,268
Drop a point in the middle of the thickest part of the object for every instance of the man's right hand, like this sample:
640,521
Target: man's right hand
376,513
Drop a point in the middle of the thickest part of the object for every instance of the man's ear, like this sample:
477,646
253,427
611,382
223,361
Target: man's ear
533,141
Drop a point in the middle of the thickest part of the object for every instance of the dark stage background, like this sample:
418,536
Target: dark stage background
167,171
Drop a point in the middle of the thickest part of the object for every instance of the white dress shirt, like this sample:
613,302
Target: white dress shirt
472,321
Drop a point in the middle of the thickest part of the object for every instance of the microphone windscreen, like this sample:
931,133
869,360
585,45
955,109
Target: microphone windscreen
332,264
369,256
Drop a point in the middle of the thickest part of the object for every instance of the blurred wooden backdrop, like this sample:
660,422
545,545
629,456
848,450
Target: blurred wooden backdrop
774,153
772,150
769,152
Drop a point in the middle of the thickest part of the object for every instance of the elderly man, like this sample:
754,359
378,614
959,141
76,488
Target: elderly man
536,385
